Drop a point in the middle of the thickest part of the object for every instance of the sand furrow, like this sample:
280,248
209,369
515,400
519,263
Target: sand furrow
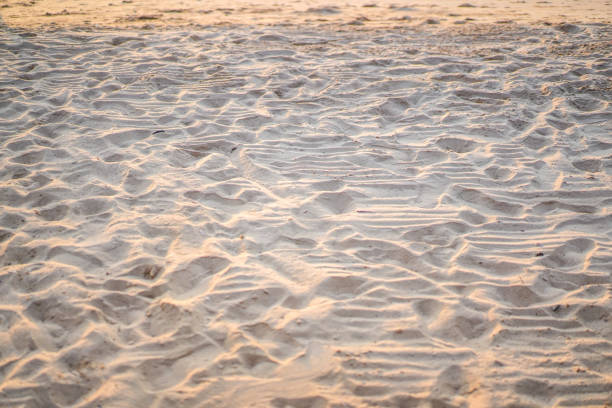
277,216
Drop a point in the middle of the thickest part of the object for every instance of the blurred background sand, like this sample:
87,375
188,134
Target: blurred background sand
369,13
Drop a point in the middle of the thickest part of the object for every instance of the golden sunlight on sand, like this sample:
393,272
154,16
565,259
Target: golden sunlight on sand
356,13
305,204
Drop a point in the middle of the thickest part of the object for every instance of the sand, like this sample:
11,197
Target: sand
379,13
351,213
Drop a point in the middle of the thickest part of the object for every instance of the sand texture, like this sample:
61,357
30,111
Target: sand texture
369,13
299,217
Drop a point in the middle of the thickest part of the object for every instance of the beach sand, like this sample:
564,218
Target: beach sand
317,205
381,13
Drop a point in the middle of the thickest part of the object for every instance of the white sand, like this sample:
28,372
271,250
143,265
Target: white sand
311,216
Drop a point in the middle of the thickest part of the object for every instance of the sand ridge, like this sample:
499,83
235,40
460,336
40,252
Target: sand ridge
252,216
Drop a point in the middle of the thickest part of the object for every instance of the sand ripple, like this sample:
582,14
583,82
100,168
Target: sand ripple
268,217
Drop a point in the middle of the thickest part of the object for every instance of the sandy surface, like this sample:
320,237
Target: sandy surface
369,13
324,215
